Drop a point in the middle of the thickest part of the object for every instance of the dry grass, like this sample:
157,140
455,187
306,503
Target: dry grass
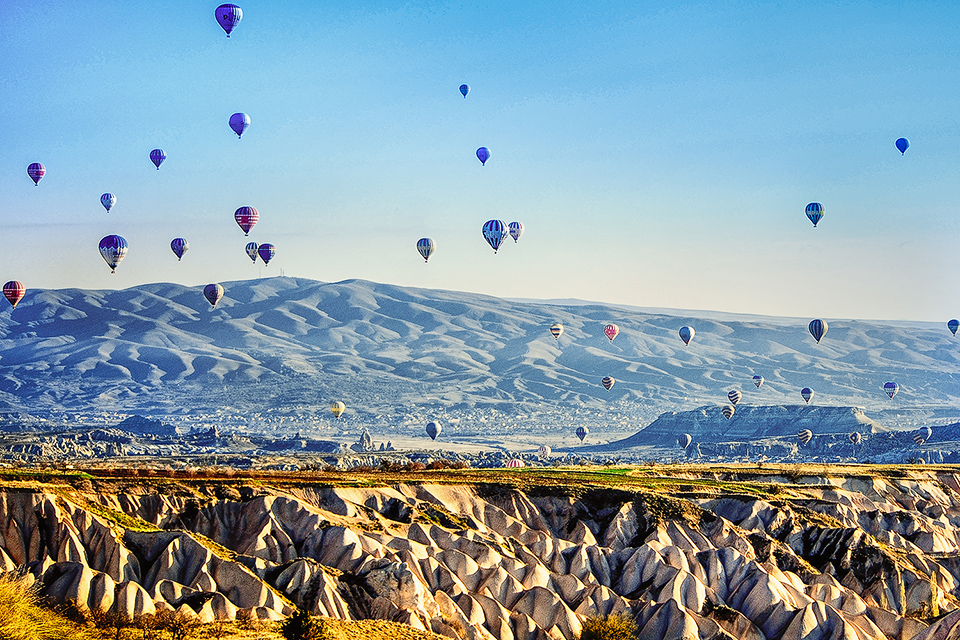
22,617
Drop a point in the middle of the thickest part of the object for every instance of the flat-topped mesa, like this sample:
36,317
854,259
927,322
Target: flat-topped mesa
749,423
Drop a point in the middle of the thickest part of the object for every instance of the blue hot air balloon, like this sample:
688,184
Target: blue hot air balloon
113,249
953,325
684,440
157,156
483,154
108,200
814,212
213,293
433,429
494,232
239,123
818,329
686,334
229,16
758,380
266,251
179,246
891,389
426,247
252,251
902,145
806,393
464,89
582,432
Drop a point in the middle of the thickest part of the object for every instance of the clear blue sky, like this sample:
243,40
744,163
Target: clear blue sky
658,155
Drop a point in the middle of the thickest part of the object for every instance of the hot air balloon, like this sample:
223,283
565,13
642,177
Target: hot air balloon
157,156
804,436
516,230
179,246
544,451
229,16
926,432
252,251
113,249
464,89
902,145
919,439
433,429
213,293
483,154
426,247
494,231
608,382
814,212
337,409
557,330
891,389
611,331
734,397
13,291
806,393
246,217
108,200
818,329
239,123
582,432
266,251
684,440
855,438
686,334
953,325
36,171
758,380
516,463
727,411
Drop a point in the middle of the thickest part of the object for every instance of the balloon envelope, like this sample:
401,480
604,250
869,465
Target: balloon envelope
891,388
734,397
544,451
213,293
818,329
926,432
113,249
36,171
157,156
953,325
516,463
228,16
516,230
684,440
582,432
758,380
108,200
611,331
902,145
483,154
14,291
686,334
727,411
239,123
806,393
465,89
855,437
252,251
814,211
266,251
608,382
179,247
804,436
426,247
556,330
494,232
246,218
433,429
337,409
919,439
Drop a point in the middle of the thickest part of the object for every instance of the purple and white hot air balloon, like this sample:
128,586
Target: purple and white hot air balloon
516,230
239,123
213,293
113,248
891,389
229,16
494,232
36,171
108,200
157,156
252,251
179,247
266,251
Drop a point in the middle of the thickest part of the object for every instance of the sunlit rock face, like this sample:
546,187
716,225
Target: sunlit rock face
855,557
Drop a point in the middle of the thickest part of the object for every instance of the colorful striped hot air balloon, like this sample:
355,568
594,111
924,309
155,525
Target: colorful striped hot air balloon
556,330
818,329
426,247
266,251
608,382
734,397
213,293
516,463
113,249
727,411
108,200
337,408
494,232
14,291
611,331
157,156
919,439
814,211
891,389
804,436
246,218
251,249
516,230
544,451
36,171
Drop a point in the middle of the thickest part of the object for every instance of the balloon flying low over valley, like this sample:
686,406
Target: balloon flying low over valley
649,162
